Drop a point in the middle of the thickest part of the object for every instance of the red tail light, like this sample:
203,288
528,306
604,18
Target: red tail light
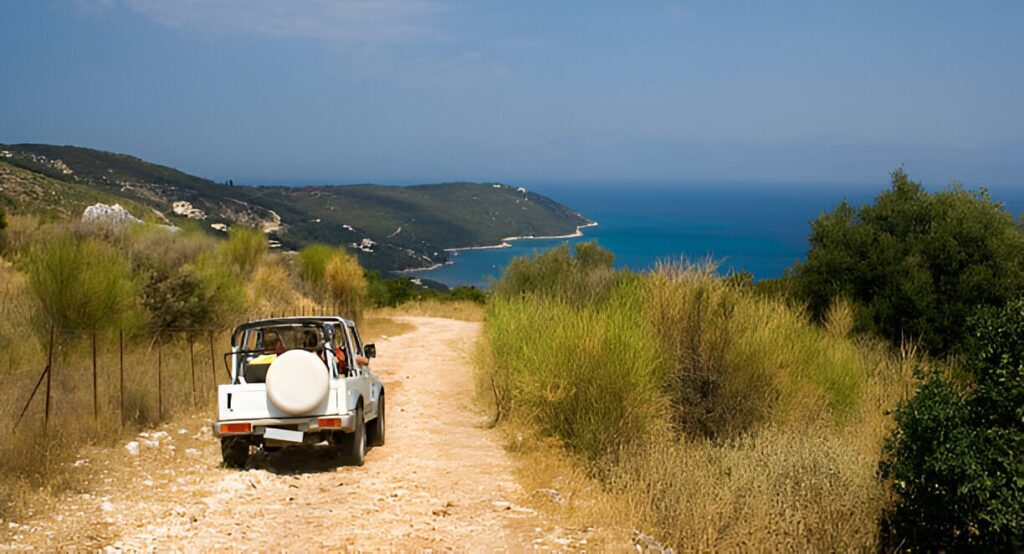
329,422
235,427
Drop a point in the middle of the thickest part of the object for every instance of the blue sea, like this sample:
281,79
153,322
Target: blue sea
762,229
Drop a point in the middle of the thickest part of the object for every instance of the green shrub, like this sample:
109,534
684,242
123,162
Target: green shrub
3,218
175,294
83,284
555,273
956,458
388,293
915,263
738,360
312,263
333,276
244,249
467,294
587,375
345,285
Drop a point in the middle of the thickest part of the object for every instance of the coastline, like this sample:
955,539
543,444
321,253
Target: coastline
505,241
504,244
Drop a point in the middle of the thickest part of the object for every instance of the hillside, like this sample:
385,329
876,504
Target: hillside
389,228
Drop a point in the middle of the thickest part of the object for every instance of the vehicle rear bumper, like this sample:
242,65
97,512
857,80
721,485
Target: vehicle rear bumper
304,424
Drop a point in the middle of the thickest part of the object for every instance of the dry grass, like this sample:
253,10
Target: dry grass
376,327
781,490
462,310
776,424
34,461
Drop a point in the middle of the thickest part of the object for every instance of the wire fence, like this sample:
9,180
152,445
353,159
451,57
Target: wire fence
107,380
113,378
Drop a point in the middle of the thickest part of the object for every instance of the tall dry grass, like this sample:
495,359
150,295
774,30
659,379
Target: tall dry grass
163,377
129,292
724,419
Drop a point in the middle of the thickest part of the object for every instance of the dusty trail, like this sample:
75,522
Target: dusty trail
441,482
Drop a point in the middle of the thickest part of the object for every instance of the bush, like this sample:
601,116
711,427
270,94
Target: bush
738,360
589,376
312,263
334,276
956,458
723,419
557,274
176,295
345,285
83,284
914,263
273,291
244,249
3,218
388,293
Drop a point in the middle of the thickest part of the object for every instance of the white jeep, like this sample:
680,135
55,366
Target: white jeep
299,380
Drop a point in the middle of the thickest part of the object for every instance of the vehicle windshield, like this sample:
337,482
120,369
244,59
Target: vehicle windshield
280,338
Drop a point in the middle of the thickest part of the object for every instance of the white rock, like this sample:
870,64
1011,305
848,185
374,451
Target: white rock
115,215
132,448
107,506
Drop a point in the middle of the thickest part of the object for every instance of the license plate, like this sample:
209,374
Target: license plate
282,434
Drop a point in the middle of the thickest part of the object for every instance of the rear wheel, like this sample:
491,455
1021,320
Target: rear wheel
353,445
234,451
375,429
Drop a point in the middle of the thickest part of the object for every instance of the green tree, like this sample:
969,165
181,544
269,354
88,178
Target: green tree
915,263
3,218
956,458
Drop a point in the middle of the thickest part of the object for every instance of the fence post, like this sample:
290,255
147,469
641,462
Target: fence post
159,379
192,361
120,348
213,364
49,372
95,393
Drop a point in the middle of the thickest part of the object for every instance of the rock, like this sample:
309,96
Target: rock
115,215
132,448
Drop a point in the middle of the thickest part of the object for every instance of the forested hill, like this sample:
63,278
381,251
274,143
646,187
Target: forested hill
389,228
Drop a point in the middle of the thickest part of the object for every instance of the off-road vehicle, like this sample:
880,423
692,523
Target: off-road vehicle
299,380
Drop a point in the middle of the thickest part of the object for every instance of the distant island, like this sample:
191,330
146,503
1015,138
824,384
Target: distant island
390,228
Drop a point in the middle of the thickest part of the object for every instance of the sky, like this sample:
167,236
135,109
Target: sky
555,91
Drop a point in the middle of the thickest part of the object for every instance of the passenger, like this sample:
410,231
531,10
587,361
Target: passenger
272,343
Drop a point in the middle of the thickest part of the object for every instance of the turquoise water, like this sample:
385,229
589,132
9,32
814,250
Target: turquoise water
761,229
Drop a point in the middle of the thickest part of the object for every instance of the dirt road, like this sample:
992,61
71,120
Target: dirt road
442,481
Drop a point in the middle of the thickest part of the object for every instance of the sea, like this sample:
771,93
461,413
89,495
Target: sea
761,229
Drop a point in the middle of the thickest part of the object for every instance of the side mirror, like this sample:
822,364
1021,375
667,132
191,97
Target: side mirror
370,350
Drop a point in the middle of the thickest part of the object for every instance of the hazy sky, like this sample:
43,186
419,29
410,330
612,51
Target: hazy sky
400,91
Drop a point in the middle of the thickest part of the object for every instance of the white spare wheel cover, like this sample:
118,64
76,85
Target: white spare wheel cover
297,382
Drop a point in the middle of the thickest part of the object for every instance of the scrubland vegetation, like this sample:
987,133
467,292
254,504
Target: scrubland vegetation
144,304
727,415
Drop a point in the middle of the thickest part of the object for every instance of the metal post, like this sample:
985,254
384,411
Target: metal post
49,373
213,364
95,392
192,361
159,379
120,342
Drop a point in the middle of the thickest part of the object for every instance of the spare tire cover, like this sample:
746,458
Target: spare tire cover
297,382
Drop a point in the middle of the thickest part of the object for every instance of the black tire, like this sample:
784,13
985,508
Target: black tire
376,428
353,445
234,451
